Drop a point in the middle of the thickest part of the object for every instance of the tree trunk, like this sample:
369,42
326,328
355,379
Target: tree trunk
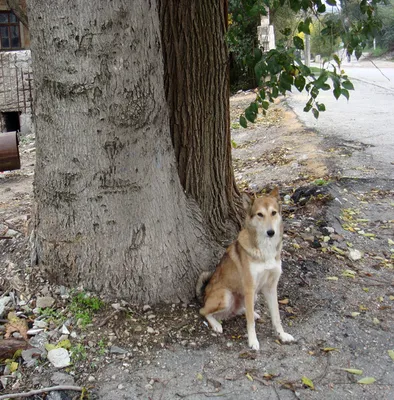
111,214
196,68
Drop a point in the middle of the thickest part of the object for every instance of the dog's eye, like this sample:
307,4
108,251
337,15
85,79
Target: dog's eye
273,213
260,215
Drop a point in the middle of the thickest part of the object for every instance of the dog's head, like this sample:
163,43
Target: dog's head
264,214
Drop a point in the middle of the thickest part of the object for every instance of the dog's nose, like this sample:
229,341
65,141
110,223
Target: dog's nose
271,233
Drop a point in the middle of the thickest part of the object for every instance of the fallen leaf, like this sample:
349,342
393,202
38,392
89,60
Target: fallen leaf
376,321
13,366
332,278
363,308
200,377
307,382
249,376
353,371
391,354
327,349
339,251
390,242
65,344
349,273
16,324
49,347
391,297
355,314
284,301
367,380
366,290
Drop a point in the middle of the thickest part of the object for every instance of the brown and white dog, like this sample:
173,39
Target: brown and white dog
250,264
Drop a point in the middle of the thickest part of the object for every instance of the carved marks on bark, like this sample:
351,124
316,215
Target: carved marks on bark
137,239
109,180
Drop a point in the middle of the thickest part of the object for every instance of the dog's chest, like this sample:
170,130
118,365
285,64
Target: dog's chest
260,271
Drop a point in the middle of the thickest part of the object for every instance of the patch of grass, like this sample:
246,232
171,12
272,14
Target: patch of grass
84,306
102,347
52,315
321,182
235,125
78,353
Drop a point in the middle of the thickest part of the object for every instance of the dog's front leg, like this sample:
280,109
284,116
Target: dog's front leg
249,308
271,297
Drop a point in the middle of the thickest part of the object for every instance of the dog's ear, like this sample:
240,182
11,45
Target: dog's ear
247,201
275,192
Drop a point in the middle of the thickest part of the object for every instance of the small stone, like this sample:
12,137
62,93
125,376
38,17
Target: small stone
148,387
330,229
39,340
30,356
45,302
91,378
138,328
40,324
355,254
73,334
64,330
117,350
120,387
146,307
150,330
34,331
3,302
61,378
152,316
54,395
59,358
229,344
12,233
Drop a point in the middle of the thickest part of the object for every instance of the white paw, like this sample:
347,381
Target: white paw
217,328
286,337
256,315
254,344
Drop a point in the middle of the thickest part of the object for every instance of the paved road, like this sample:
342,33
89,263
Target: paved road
366,119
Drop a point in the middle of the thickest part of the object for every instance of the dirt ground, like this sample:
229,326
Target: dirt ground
336,293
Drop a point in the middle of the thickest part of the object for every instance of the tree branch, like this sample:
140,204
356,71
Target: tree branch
39,391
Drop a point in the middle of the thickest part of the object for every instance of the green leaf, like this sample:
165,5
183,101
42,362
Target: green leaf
348,85
315,113
307,382
353,371
391,354
331,2
345,93
367,380
337,60
321,107
242,122
337,92
298,43
299,83
265,105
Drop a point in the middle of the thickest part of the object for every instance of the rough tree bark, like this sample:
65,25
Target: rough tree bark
197,90
111,213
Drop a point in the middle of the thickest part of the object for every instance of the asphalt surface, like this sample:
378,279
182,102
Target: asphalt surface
365,122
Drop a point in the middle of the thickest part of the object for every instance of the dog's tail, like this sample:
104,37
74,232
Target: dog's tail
201,284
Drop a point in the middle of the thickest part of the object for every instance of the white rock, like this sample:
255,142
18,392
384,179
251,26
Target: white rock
34,331
146,307
59,358
44,302
330,229
40,324
355,254
150,330
120,387
91,378
3,302
64,330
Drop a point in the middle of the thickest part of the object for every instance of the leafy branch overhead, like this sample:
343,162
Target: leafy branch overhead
279,70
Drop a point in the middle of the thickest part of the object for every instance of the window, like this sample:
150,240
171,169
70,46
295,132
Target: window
9,31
